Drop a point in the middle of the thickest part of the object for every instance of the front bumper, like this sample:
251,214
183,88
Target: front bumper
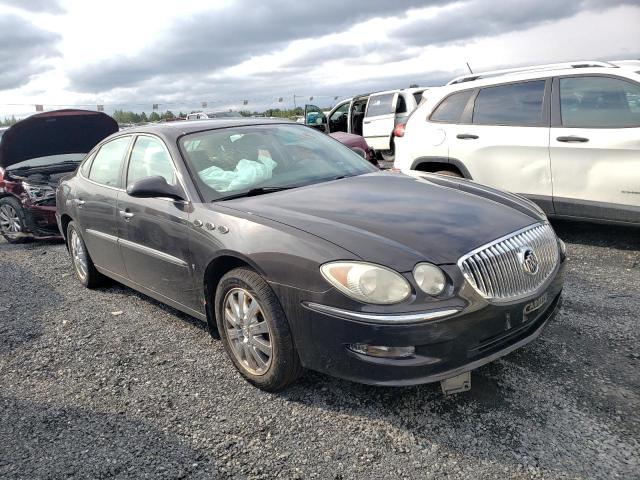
444,347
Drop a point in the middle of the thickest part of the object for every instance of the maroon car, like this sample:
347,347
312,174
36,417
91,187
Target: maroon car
356,143
35,154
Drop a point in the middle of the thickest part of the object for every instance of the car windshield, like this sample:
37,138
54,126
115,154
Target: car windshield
231,161
49,161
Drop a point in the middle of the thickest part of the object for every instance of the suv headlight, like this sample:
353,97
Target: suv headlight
430,278
38,192
367,282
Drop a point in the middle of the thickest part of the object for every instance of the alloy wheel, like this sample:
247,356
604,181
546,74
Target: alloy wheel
9,220
79,255
248,332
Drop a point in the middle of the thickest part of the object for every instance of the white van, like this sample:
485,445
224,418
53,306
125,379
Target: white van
373,116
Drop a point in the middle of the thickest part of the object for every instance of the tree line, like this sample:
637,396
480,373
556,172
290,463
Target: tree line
125,117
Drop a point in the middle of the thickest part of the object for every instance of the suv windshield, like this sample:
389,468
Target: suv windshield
231,161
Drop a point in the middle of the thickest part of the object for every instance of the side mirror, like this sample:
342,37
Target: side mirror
156,186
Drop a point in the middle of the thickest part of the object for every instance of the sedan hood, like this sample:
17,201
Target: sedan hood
54,133
393,219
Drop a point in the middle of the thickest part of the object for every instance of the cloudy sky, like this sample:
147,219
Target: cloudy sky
133,53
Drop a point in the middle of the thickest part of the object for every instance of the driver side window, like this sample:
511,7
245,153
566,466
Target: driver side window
150,157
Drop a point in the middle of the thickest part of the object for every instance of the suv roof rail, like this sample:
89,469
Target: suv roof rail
533,68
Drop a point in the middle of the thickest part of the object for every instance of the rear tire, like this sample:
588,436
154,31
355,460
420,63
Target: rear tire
13,225
82,263
255,332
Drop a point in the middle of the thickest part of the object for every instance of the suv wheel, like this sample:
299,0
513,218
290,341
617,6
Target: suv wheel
254,330
12,220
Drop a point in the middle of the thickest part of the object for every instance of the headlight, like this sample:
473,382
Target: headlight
429,278
38,192
367,282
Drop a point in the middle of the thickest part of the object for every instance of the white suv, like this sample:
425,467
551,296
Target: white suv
567,136
372,116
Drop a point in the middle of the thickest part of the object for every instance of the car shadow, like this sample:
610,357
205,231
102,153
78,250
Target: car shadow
48,441
116,288
611,236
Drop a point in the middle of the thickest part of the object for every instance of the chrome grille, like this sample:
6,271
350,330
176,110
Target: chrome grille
497,270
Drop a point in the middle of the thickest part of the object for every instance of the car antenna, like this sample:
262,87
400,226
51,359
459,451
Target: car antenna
470,71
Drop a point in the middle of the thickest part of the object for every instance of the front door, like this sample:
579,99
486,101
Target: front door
155,238
595,148
504,143
96,203
379,120
314,117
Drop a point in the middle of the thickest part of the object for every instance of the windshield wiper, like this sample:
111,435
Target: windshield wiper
253,192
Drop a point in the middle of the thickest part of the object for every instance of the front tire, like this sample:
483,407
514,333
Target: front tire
13,225
83,265
254,330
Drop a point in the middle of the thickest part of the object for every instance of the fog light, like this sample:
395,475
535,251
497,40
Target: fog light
382,351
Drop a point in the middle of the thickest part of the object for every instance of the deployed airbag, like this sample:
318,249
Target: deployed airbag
246,174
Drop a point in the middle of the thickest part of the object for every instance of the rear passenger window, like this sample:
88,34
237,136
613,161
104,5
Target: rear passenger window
451,108
599,102
107,164
517,104
380,105
401,105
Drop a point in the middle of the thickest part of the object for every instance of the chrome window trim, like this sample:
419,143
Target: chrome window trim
389,319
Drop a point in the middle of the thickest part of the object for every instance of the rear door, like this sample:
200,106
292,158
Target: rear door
96,204
503,139
595,147
155,231
379,120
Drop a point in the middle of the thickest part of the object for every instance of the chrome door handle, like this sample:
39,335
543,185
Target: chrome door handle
80,203
467,136
127,215
367,122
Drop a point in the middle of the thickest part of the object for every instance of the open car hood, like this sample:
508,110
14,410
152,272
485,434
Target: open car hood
54,133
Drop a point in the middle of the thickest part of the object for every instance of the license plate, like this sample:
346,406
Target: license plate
457,384
535,305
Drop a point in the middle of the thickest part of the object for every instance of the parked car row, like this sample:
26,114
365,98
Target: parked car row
373,116
299,253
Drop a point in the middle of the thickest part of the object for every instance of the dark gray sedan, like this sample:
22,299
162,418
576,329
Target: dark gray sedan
300,254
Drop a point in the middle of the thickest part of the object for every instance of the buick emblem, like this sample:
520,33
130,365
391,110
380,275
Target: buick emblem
529,261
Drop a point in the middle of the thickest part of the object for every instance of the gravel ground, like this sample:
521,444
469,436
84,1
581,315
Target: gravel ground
148,394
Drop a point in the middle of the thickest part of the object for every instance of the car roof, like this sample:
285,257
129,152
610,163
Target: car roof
177,129
537,71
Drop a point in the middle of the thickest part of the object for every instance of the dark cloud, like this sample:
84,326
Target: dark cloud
24,49
468,20
48,6
221,38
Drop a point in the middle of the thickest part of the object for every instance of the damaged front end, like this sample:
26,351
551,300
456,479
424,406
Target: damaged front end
35,154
